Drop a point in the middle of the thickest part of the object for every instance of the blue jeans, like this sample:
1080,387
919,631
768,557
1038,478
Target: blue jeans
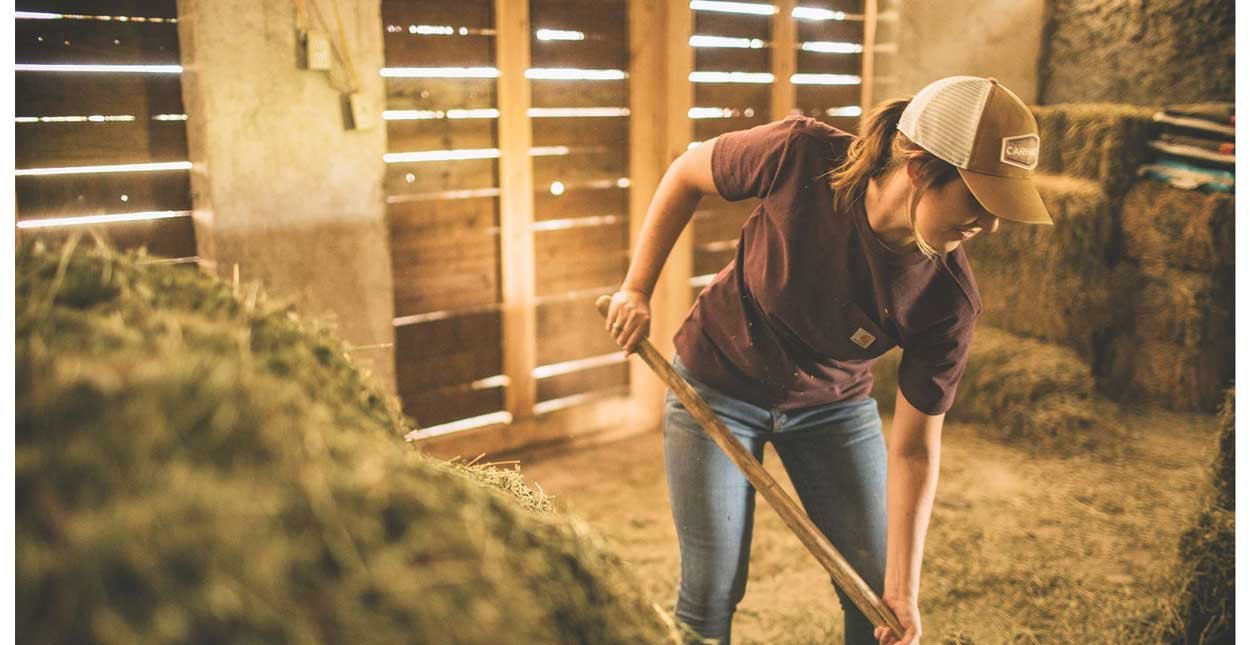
834,455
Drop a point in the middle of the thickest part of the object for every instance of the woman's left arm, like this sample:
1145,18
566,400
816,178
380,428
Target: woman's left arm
915,450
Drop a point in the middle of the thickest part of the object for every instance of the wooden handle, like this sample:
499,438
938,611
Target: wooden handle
794,517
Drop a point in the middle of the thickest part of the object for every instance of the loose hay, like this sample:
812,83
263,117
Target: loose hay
195,467
1225,469
1023,391
1183,228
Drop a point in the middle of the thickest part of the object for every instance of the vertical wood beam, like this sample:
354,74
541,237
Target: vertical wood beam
866,59
660,98
784,59
516,205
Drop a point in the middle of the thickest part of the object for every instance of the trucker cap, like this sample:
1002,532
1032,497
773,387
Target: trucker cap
989,134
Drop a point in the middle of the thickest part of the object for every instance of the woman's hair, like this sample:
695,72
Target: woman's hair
881,150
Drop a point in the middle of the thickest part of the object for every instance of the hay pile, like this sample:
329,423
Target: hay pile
1104,142
1202,608
1053,283
193,466
1023,391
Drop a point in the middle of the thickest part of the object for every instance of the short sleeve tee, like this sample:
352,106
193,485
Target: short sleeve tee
813,297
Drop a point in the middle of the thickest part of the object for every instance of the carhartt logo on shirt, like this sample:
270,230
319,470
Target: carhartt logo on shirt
863,338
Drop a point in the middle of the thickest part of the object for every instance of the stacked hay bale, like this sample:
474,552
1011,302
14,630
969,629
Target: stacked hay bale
193,466
1059,284
1026,392
1175,347
1134,276
1203,606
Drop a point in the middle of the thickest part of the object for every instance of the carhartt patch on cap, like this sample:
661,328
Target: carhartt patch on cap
1020,151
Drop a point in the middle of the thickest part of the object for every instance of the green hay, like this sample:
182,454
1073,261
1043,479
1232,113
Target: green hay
207,469
1105,142
1023,391
1182,228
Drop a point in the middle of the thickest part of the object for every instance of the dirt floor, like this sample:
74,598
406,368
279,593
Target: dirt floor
1021,548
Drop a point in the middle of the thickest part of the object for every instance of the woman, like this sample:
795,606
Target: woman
853,249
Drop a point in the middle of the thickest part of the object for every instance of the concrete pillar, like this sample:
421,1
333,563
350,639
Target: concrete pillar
279,186
999,38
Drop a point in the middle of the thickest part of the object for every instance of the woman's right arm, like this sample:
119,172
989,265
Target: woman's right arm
685,182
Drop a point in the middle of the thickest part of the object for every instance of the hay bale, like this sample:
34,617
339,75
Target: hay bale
195,472
1053,283
1176,348
1191,309
1022,390
1186,229
1079,241
1166,374
1057,306
1104,142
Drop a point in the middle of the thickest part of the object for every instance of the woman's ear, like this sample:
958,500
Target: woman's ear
913,170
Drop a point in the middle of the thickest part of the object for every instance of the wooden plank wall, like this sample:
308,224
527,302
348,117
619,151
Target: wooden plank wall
445,215
74,124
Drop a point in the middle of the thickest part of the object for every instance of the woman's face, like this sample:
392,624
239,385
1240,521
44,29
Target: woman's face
950,215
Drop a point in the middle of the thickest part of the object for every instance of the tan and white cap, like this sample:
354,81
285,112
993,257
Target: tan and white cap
989,134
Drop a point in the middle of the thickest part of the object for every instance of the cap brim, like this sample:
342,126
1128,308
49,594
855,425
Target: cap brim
1009,198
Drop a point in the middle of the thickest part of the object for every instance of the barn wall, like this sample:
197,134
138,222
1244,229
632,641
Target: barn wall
1134,51
999,38
280,187
77,127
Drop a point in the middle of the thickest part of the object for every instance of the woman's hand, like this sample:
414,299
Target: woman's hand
629,318
908,614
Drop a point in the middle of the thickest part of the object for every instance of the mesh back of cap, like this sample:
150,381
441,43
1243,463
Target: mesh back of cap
943,117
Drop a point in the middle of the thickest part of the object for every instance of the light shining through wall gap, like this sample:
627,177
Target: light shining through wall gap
101,69
535,73
57,222
86,170
36,15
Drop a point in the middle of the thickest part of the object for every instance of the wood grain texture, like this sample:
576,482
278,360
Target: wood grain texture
516,205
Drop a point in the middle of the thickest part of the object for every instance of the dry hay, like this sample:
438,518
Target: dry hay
1224,472
1080,241
1023,391
1069,309
1104,142
1201,608
1176,349
191,466
1053,283
1183,228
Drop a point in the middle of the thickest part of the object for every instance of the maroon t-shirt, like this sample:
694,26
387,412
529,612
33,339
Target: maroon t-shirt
813,296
